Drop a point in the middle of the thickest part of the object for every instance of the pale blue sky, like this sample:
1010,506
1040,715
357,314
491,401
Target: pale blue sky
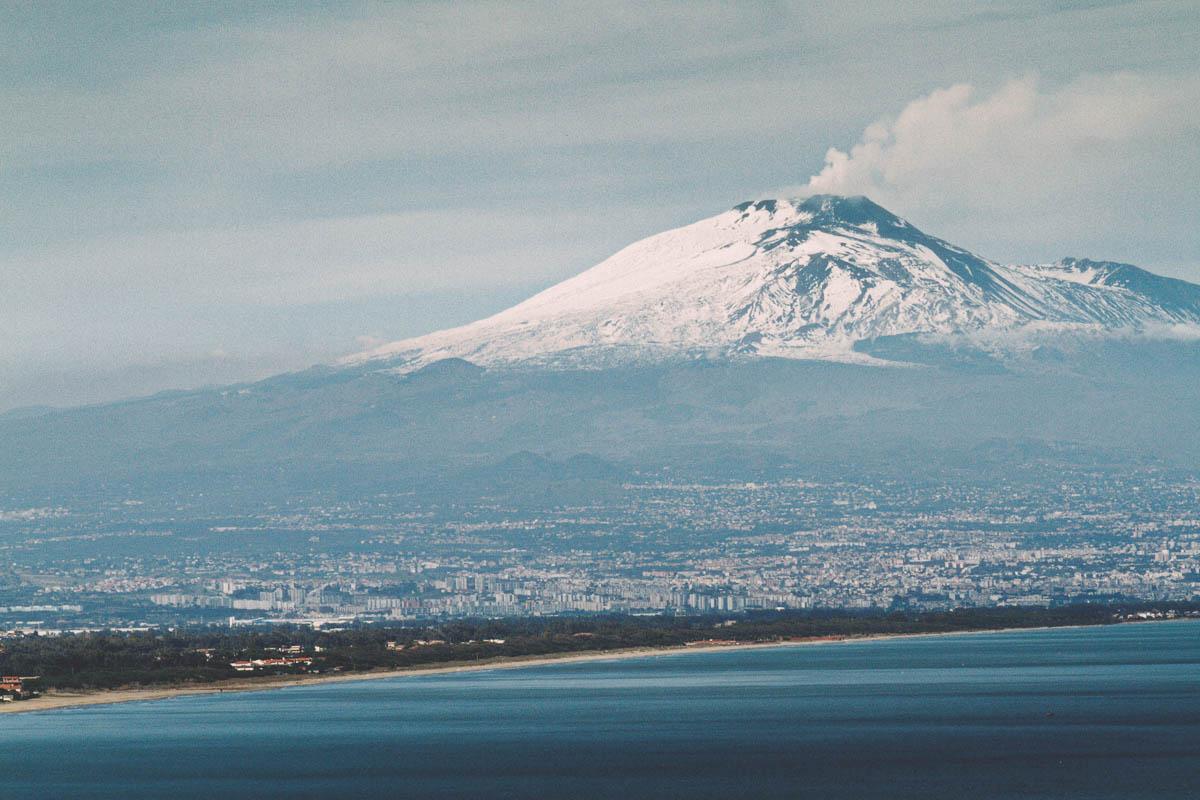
195,193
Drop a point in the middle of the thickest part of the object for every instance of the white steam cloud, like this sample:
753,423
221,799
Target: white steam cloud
1048,160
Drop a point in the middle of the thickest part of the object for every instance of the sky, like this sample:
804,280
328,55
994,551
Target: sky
201,193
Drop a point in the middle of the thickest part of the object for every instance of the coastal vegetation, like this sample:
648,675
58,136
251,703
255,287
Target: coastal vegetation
183,657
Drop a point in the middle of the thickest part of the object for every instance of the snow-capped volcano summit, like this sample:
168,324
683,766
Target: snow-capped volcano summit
796,278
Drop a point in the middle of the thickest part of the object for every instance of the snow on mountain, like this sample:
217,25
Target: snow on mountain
800,279
1154,295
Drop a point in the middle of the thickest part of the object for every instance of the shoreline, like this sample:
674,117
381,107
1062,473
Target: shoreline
55,701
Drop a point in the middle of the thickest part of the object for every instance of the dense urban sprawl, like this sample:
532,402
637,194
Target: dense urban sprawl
655,546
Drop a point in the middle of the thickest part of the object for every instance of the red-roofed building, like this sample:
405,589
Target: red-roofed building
16,687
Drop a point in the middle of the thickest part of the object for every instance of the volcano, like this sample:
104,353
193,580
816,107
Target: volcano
805,279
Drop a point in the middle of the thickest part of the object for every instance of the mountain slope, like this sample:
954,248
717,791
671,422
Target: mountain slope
1178,300
449,427
823,280
800,279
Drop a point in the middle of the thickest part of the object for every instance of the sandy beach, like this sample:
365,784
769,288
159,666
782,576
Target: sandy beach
54,700
65,699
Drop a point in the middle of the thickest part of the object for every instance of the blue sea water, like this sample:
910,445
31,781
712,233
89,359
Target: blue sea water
1071,713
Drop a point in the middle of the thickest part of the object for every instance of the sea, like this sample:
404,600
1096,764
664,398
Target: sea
1111,712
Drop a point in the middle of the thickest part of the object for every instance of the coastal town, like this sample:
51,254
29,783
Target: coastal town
654,547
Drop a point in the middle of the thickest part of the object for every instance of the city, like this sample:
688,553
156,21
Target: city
657,546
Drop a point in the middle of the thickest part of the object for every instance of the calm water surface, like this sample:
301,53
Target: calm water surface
1084,713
